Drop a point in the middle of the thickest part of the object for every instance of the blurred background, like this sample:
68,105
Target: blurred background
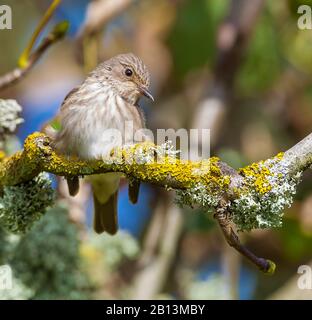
242,68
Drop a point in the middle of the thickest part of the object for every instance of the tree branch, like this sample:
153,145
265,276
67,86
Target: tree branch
299,157
24,58
39,156
253,197
222,216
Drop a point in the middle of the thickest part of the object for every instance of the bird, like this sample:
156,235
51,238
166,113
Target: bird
88,117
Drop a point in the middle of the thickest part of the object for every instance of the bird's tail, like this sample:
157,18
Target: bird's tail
105,215
73,185
133,191
105,192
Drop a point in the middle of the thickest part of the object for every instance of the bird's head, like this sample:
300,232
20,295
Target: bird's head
127,75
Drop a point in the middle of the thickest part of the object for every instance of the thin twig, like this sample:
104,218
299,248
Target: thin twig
24,58
18,73
223,218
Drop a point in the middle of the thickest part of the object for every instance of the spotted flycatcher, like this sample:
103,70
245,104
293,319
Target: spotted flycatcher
89,114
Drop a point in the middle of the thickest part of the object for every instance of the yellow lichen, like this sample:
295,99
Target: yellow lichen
279,156
259,172
159,168
2,155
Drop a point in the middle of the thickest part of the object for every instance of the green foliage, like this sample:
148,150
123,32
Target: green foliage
22,205
262,64
197,220
294,4
232,157
47,258
299,53
295,243
192,40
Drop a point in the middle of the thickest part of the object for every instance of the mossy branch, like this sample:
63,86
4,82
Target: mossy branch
253,197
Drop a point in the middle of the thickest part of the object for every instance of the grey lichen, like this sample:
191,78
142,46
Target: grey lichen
197,196
22,205
143,154
9,117
47,258
269,190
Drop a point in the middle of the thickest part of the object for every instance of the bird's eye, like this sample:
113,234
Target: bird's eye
128,72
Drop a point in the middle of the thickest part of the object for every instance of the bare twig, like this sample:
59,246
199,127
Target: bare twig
222,216
24,58
15,75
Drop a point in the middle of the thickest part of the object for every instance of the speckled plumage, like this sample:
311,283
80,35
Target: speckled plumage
104,101
90,116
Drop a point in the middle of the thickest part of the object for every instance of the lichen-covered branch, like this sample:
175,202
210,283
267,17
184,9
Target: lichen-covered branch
252,197
134,161
138,162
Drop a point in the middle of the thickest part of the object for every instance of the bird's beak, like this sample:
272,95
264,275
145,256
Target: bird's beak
146,93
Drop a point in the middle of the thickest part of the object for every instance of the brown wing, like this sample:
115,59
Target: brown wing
52,129
49,127
141,114
68,97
